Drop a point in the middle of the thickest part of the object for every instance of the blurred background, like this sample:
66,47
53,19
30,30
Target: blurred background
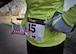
11,43
13,10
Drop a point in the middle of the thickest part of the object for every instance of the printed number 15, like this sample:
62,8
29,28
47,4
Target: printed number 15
32,27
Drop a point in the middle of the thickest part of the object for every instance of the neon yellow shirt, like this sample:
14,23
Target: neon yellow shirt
45,9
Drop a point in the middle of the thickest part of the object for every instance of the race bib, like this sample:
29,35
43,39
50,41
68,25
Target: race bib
36,29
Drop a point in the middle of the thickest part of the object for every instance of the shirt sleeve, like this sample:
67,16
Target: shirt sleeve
70,16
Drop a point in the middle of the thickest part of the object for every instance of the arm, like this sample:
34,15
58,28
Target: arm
70,17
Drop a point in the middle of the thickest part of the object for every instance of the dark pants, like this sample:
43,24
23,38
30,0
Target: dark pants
45,50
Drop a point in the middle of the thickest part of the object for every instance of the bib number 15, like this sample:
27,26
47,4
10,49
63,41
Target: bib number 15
32,27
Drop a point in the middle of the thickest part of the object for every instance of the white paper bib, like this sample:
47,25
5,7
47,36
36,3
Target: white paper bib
36,29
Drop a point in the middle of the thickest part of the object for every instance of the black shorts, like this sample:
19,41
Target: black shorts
45,50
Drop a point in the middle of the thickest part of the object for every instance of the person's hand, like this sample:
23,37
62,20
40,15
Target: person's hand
58,24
